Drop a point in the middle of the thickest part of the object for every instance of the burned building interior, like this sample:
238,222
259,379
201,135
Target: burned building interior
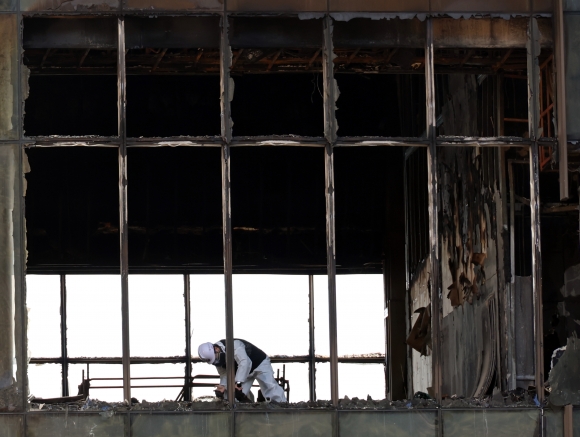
384,197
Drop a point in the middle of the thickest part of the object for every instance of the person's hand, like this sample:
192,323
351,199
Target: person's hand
240,396
219,391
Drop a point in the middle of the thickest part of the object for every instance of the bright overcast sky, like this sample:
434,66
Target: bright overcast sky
270,311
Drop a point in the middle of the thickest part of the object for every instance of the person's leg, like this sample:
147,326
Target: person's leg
247,387
264,374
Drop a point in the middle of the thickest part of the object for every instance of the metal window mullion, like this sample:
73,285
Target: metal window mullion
187,303
330,133
433,214
387,326
533,53
63,342
331,271
226,131
123,212
312,348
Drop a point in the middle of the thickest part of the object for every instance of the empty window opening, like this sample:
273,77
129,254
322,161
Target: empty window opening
481,92
285,97
362,182
175,203
173,82
169,105
72,84
154,303
384,94
158,333
71,105
278,104
96,292
278,209
381,105
72,208
266,292
43,303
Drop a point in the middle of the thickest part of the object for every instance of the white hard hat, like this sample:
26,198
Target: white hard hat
206,352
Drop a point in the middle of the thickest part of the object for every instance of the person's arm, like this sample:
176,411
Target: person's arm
223,376
244,362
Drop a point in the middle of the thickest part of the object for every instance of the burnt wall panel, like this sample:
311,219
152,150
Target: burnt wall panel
420,362
468,239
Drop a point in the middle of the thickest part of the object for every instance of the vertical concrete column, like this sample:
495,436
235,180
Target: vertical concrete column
13,315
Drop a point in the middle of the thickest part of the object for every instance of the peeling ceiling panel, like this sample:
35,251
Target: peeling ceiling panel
68,5
62,33
8,77
379,6
487,32
479,6
252,32
360,32
174,32
173,5
277,6
482,33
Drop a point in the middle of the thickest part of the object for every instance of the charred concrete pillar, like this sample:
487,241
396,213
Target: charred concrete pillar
13,356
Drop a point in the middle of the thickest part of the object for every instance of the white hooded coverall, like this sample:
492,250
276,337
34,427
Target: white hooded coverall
263,373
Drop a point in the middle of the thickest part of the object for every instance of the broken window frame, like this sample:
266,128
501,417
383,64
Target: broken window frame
329,142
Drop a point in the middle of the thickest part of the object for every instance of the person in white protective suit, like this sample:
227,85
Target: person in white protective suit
251,363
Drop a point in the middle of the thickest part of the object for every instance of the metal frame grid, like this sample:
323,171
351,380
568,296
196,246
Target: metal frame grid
329,142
